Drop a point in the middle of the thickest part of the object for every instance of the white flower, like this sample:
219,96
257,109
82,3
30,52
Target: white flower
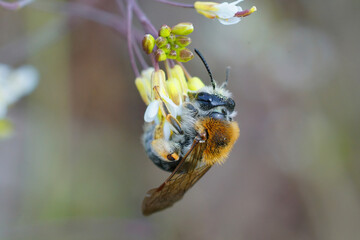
14,84
153,109
226,13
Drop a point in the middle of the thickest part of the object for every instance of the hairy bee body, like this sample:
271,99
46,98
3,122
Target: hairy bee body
203,133
214,117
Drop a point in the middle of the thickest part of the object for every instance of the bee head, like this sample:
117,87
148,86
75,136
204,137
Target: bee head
216,102
215,105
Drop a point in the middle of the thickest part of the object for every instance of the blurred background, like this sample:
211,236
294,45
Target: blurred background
75,167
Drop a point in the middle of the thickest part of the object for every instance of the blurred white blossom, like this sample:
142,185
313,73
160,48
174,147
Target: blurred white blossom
15,84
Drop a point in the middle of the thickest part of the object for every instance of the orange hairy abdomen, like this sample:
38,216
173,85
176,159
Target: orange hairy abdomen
221,136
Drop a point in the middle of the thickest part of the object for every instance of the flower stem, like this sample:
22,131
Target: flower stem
129,38
176,4
139,56
147,25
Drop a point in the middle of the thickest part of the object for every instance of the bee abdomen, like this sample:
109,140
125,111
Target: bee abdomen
159,161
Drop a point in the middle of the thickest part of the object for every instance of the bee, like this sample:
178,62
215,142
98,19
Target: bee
205,134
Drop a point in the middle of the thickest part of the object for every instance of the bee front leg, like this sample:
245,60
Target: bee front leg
174,123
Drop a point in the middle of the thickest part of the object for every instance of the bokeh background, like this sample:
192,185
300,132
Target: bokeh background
75,167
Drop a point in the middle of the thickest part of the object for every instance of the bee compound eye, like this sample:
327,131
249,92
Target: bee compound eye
205,97
230,104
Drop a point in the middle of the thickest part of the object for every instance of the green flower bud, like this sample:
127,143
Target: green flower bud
164,31
184,55
160,55
177,47
171,38
161,41
172,54
183,28
148,43
183,41
167,48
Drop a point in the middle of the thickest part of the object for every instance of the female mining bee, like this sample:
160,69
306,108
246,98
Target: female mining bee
203,134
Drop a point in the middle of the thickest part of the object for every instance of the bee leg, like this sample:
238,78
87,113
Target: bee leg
191,108
174,123
200,138
165,150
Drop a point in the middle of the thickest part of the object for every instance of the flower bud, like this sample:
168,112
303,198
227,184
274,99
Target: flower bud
6,128
160,55
174,90
194,84
178,73
184,55
161,41
172,54
164,31
144,89
171,38
148,43
166,48
158,81
182,41
182,28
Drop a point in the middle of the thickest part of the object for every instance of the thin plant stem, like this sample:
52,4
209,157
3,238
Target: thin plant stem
139,56
154,62
90,13
121,7
129,39
176,4
167,67
147,25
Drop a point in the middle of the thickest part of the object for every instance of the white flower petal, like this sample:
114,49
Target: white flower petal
166,130
229,21
173,108
20,82
4,73
151,111
226,10
147,73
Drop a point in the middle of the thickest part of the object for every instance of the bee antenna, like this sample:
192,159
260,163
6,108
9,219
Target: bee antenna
207,68
227,76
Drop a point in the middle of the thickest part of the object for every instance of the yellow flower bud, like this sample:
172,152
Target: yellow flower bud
142,88
183,41
184,55
158,81
171,38
206,6
182,28
194,84
174,90
161,41
178,73
6,128
166,48
164,31
148,43
172,54
160,55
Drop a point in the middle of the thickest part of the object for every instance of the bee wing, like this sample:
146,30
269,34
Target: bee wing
174,188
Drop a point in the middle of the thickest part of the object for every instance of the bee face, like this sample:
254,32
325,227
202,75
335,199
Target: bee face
214,104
